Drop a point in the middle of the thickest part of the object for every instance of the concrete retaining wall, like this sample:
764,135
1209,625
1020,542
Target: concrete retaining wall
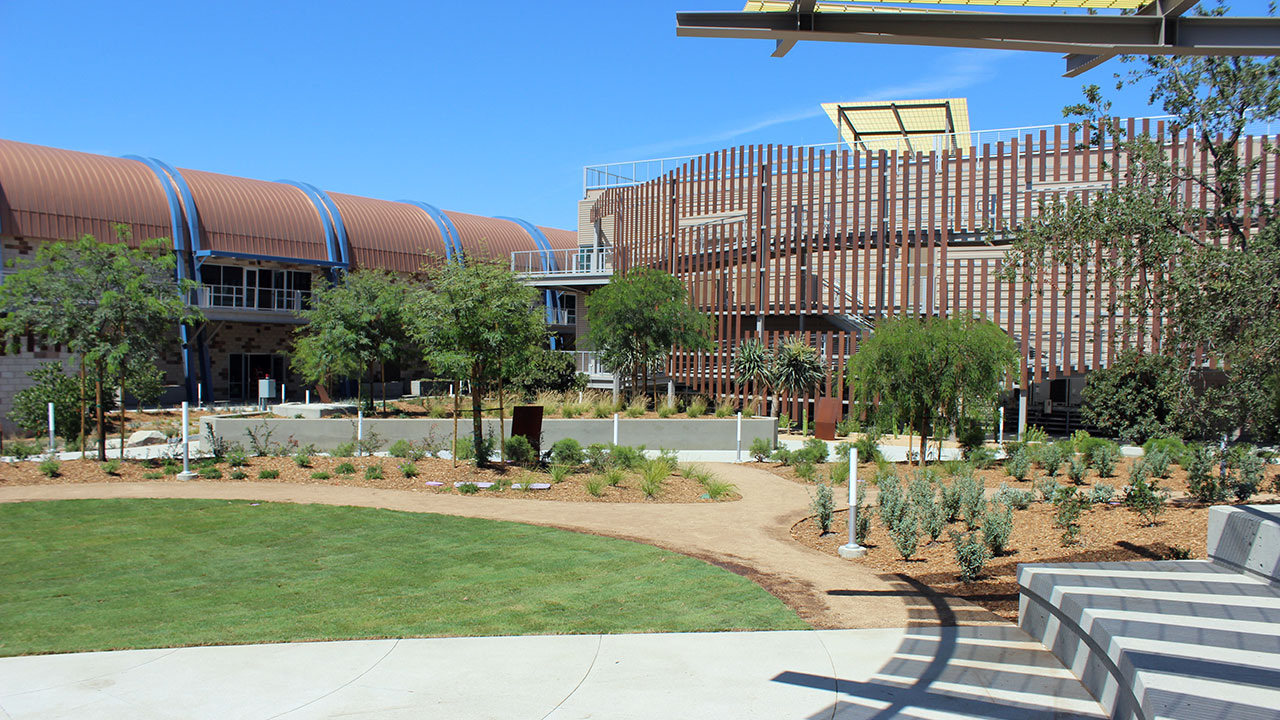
671,434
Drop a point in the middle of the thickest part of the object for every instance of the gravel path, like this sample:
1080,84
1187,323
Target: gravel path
750,537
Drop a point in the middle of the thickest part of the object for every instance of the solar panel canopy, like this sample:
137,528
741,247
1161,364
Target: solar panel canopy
902,125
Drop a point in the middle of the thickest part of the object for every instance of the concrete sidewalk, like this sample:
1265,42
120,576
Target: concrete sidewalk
985,672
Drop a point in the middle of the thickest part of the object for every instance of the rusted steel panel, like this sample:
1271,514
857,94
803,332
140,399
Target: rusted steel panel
54,194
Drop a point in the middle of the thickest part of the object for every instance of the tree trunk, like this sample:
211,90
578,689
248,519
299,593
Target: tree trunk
457,410
82,402
384,388
477,423
502,429
102,420
924,438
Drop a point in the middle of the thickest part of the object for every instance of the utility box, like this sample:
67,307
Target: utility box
267,389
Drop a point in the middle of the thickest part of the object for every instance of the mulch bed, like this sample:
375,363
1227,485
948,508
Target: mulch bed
676,489
1108,533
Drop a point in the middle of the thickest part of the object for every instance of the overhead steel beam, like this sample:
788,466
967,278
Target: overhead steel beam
782,47
1072,34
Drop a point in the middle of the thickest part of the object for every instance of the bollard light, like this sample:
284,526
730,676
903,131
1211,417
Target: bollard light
739,457
853,549
615,428
359,430
52,445
186,473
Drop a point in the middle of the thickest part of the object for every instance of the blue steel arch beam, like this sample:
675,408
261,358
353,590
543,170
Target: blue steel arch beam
551,299
183,249
330,233
335,229
452,238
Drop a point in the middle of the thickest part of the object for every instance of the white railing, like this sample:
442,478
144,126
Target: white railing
238,297
585,361
576,261
561,316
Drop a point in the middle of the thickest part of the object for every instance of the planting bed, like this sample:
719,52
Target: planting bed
675,489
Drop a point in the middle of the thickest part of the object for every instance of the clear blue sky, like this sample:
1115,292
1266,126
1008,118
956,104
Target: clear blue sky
483,107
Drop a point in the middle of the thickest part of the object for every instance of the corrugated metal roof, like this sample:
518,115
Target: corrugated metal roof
48,193
62,194
251,216
390,235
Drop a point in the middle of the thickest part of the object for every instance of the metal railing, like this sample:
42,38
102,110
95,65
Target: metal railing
586,361
237,297
561,316
575,261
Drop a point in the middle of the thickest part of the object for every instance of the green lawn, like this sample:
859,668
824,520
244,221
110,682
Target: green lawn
106,574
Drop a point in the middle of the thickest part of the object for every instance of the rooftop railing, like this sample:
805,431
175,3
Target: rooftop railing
237,297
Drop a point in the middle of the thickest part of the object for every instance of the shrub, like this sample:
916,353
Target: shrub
1016,499
1036,434
465,448
925,504
1103,457
1144,497
344,450
1018,465
21,450
717,488
112,467
1101,493
238,474
320,475
567,451
51,384
594,485
572,410
971,555
519,451
1077,469
666,410
982,457
597,456
484,450
697,474
638,406
1048,488
805,471
783,456
50,468
408,469
846,426
468,488
892,504
302,459
1249,468
602,409
761,448
152,476
1203,479
869,446
822,503
1178,552
950,504
1171,446
210,473
627,457
268,474
668,457
906,534
784,422
1069,504
373,472
613,477
558,473
697,407
345,468
973,500
1157,462
814,451
839,472
725,408
651,479
236,456
997,526
1050,456
970,434
400,449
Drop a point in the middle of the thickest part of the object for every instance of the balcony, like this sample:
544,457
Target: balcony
561,316
237,303
576,266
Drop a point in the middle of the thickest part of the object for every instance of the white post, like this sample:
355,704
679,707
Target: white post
1000,430
308,397
282,392
1022,415
52,446
186,473
615,428
199,395
853,549
739,459
359,429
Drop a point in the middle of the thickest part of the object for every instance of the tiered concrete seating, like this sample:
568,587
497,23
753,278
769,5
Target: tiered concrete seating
1171,639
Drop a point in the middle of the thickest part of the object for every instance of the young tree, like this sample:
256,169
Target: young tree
797,369
933,370
754,363
352,326
639,317
116,307
1213,272
472,320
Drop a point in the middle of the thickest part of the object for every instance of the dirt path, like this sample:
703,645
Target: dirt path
750,537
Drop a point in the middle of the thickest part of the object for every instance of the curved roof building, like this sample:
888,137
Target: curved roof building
51,194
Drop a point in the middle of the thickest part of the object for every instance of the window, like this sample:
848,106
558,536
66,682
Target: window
232,286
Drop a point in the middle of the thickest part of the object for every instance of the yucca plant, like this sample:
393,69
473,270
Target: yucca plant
797,369
753,363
